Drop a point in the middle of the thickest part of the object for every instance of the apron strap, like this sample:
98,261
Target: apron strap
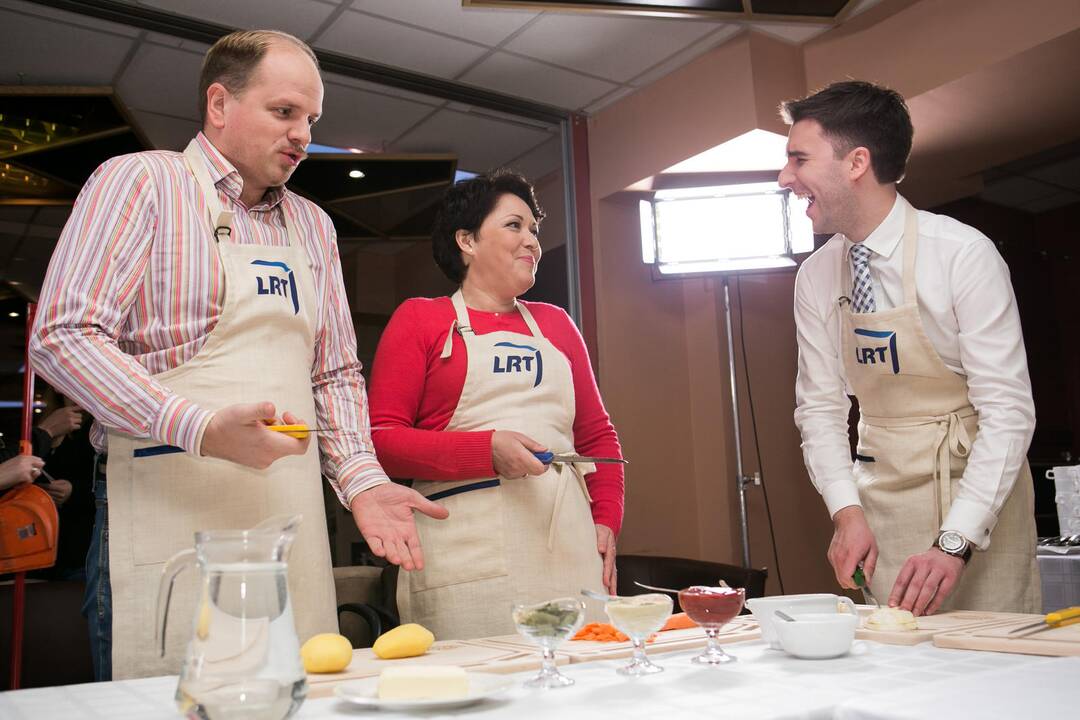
220,218
911,244
952,440
526,314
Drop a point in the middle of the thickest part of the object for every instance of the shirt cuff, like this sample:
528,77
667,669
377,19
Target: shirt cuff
358,474
972,520
840,494
181,423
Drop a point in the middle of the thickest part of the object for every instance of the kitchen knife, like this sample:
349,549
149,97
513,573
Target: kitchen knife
298,431
860,579
1061,618
549,457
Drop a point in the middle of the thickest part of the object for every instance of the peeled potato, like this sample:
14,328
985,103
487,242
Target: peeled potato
889,619
326,653
403,641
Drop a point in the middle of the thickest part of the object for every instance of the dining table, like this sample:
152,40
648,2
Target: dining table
874,681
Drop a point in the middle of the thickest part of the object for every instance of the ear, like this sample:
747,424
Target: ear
216,95
859,164
465,240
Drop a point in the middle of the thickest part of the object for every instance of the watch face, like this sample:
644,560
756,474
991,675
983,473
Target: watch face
951,541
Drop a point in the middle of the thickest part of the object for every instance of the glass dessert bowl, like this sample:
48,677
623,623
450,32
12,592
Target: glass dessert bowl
639,616
712,608
548,624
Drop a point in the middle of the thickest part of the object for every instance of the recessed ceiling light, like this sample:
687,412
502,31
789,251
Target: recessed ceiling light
13,314
356,174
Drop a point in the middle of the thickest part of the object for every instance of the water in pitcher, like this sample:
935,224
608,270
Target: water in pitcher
244,659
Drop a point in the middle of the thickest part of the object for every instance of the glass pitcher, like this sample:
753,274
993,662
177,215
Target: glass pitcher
243,660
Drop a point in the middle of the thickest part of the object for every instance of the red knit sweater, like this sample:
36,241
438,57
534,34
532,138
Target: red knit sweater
413,394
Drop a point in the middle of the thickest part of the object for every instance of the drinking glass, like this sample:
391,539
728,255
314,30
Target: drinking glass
712,608
548,624
638,617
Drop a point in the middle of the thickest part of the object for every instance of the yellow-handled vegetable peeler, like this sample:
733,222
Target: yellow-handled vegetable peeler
298,431
1057,619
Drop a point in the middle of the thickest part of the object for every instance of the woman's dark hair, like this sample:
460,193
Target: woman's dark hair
465,206
855,114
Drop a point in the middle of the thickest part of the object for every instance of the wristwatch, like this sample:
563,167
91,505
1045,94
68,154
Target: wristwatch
953,543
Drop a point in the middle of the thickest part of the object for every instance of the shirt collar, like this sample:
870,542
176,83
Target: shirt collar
227,179
886,236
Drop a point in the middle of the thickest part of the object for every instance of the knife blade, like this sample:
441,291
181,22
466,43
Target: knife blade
298,431
549,457
1057,619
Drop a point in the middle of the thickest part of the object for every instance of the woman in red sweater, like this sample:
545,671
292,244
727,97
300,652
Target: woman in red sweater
464,390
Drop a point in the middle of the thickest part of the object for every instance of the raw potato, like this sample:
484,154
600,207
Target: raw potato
403,641
326,653
888,619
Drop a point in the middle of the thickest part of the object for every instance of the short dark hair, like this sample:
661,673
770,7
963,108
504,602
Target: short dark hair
233,58
855,114
465,206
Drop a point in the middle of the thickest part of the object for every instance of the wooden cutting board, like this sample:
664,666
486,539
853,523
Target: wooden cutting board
1055,641
932,625
469,654
578,651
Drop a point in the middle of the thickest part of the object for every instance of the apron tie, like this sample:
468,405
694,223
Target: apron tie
579,471
952,441
448,346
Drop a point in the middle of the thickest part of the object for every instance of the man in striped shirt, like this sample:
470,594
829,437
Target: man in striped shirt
137,286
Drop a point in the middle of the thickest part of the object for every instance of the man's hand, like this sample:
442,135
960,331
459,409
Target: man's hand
512,454
852,542
384,516
20,469
238,433
605,545
59,491
62,421
925,582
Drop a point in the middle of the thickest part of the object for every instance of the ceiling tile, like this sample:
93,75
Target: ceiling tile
482,25
1014,191
608,99
70,18
1051,202
389,43
37,51
616,48
349,82
795,33
537,81
540,161
481,143
355,118
676,61
163,80
1065,174
165,132
299,17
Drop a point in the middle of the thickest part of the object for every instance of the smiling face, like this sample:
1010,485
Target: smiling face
815,172
503,254
265,129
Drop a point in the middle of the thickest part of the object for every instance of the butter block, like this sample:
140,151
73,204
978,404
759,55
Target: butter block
423,682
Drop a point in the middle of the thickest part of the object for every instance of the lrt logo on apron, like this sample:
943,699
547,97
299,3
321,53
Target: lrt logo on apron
878,354
276,285
519,363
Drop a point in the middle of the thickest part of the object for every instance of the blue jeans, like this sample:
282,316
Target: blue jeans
97,602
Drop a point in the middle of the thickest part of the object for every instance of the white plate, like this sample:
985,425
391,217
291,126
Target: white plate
365,693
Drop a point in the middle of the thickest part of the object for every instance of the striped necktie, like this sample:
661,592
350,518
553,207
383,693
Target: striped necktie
862,292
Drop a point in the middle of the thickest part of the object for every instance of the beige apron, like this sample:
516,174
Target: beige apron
262,348
508,540
916,429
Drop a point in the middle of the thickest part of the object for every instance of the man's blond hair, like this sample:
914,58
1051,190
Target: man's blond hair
233,59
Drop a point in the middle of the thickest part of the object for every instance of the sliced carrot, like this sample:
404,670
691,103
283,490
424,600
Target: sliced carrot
678,621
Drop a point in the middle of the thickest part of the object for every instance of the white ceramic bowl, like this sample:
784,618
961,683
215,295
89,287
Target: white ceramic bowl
764,609
817,635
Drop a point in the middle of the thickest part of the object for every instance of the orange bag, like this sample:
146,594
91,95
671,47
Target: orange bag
29,526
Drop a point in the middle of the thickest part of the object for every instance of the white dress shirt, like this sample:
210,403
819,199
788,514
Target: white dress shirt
968,312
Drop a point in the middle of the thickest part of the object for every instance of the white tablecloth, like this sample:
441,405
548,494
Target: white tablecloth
874,682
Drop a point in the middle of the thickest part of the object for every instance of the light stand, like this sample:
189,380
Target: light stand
741,480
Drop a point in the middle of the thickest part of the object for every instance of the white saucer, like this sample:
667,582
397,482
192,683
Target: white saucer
365,693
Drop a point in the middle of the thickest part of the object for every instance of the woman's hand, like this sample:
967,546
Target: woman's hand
59,491
512,454
605,545
20,469
60,422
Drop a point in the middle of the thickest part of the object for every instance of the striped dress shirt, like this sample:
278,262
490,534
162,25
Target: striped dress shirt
135,287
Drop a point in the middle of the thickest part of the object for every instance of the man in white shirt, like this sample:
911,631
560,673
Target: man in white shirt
913,313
